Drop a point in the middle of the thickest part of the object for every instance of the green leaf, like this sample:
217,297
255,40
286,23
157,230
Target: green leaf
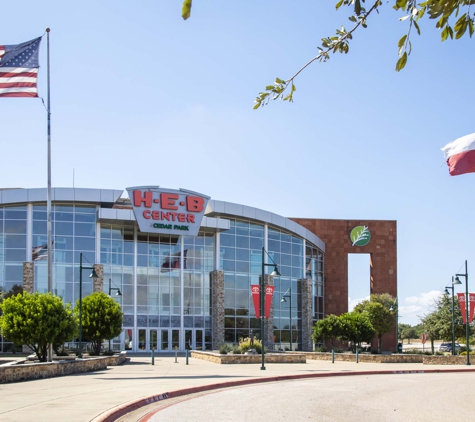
417,27
337,6
186,9
470,27
357,7
279,81
444,34
402,41
401,62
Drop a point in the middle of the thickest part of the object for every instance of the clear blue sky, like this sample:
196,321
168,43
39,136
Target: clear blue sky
141,97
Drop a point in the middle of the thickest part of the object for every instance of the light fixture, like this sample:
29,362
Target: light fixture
92,275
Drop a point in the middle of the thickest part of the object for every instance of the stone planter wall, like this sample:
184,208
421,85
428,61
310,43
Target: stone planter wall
395,358
245,359
32,371
445,360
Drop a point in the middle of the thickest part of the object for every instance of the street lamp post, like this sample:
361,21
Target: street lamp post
454,282
289,295
93,275
262,295
467,325
119,293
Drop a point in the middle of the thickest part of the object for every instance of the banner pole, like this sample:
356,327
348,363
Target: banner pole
48,194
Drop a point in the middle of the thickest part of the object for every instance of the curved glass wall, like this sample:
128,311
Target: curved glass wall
164,280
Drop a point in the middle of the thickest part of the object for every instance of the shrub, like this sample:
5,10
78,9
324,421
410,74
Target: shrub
224,349
245,344
321,349
236,350
338,350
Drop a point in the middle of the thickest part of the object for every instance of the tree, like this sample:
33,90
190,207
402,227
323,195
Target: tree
101,319
327,329
443,13
356,328
407,332
37,320
378,310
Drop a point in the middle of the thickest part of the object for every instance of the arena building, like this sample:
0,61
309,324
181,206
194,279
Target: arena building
184,264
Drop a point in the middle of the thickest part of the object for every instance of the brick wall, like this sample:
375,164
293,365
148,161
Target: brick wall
382,249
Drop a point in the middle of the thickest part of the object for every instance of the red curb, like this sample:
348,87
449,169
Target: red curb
121,410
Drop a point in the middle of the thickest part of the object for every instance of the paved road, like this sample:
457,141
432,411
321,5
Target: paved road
375,398
94,396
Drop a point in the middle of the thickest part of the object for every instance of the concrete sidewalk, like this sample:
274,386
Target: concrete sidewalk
104,395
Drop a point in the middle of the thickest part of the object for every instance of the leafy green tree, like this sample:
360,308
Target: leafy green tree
405,331
16,289
430,328
453,18
378,310
327,329
355,328
37,320
101,319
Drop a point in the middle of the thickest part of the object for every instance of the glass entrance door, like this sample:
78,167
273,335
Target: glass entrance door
169,339
194,339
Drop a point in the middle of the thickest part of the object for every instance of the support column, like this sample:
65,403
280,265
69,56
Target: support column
28,277
217,308
305,305
98,283
269,322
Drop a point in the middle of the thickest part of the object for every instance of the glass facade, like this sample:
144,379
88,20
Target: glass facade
164,280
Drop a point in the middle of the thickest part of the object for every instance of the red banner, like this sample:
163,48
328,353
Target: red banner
461,298
269,294
471,299
463,309
255,289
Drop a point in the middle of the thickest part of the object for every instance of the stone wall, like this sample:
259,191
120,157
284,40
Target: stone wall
98,282
31,371
248,359
28,277
444,360
305,288
367,358
217,307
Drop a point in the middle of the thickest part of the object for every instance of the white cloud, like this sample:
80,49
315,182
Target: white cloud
412,308
353,302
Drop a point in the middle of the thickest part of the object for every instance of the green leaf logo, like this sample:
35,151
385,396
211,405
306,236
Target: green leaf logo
360,236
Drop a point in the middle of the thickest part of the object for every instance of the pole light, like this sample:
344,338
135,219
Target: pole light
92,275
262,295
289,295
392,309
118,293
467,304
452,287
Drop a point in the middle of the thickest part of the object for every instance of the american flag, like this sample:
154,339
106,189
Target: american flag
19,66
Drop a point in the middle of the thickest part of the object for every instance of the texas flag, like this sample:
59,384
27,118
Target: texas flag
460,155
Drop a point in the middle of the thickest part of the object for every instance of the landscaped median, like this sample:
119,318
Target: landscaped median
25,371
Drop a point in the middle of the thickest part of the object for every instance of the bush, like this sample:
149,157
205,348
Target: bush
338,350
321,349
245,344
224,349
236,350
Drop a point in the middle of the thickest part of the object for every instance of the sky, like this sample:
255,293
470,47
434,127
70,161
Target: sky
141,97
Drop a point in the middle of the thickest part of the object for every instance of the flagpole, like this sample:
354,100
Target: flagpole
48,194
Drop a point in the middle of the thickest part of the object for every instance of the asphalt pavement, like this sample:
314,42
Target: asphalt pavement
114,393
